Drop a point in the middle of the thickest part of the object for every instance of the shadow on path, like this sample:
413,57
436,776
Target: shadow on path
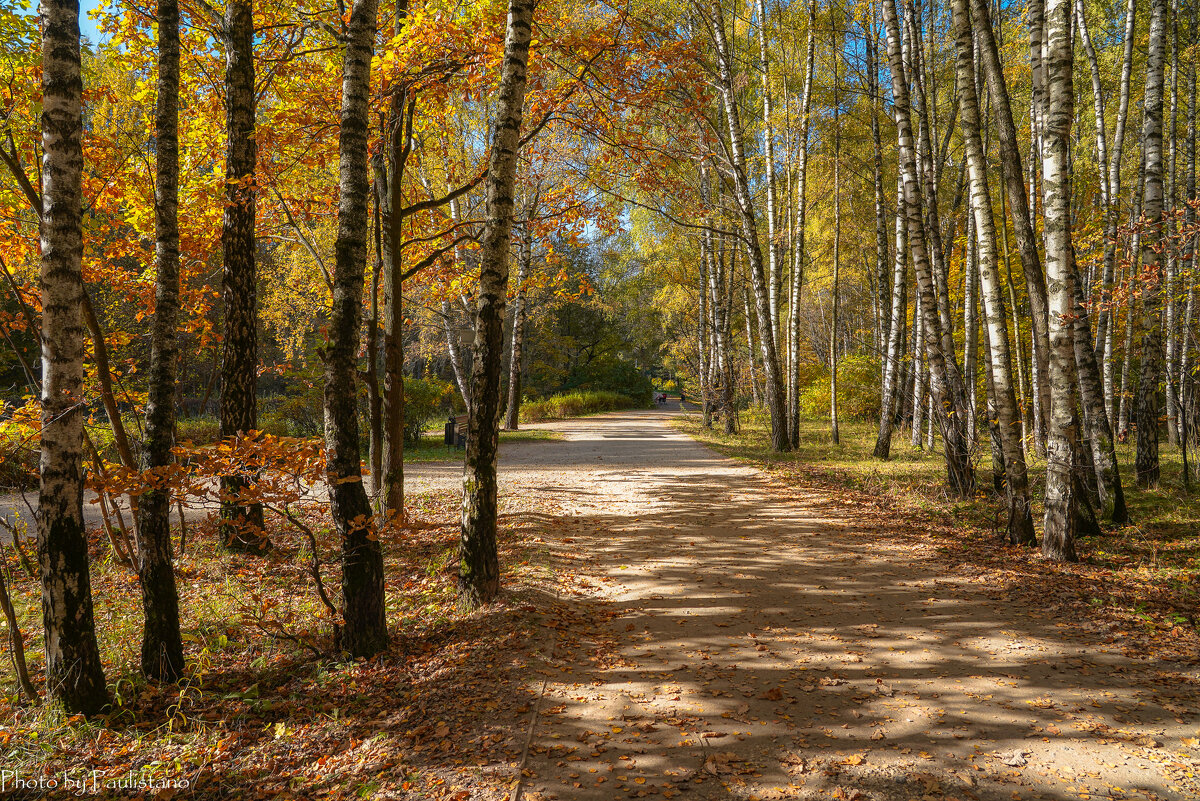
773,645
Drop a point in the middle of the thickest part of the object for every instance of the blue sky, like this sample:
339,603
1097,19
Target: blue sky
87,27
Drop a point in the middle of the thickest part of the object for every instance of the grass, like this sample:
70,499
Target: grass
575,404
1150,567
433,449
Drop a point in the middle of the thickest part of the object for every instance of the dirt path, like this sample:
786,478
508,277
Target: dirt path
770,645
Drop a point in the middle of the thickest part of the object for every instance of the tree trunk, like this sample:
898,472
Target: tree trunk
775,262
162,644
896,329
241,522
1091,395
1020,515
799,254
453,350
512,412
363,609
398,145
1125,404
1106,316
1187,380
374,395
702,348
1018,202
884,299
834,435
1058,541
16,642
750,346
927,180
1151,366
717,279
971,326
919,373
947,384
479,568
1171,253
74,674
749,225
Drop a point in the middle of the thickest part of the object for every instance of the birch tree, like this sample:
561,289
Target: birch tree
512,410
162,643
893,364
241,522
74,674
748,217
1058,541
799,253
479,566
1020,516
364,632
947,383
1150,370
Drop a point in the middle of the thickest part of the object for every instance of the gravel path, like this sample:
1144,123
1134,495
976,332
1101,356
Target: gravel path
771,645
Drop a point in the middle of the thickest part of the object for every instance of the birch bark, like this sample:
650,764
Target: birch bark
947,383
479,566
364,632
241,521
74,674
162,643
1151,366
1058,541
749,225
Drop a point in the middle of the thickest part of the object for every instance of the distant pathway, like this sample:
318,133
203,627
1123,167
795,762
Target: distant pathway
771,648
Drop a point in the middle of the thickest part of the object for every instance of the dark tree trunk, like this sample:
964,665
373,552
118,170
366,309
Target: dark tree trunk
374,394
162,644
479,568
1091,394
241,523
399,145
884,298
512,410
363,608
74,674
1151,368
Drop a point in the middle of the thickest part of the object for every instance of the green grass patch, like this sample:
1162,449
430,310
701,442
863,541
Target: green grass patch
575,404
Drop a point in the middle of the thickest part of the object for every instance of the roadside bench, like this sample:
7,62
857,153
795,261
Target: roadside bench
456,431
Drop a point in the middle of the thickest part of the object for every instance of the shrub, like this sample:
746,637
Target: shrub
19,446
576,404
297,414
199,430
425,400
614,376
858,389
